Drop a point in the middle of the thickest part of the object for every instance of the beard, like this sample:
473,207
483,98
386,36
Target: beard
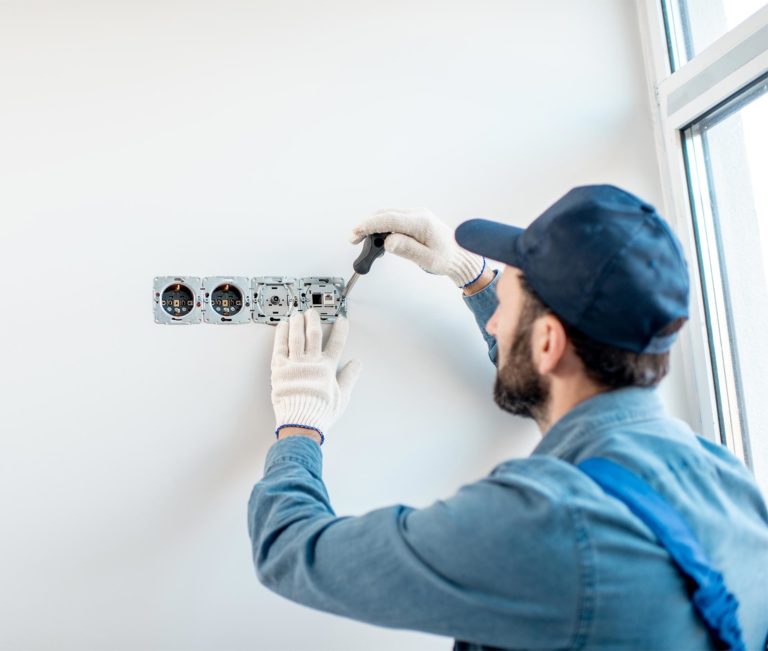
519,389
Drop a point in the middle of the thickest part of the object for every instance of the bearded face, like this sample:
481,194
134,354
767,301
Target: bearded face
519,389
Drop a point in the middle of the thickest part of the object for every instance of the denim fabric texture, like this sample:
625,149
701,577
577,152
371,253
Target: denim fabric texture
533,556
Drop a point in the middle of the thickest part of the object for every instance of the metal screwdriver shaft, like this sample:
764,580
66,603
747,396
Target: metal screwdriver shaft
350,284
373,247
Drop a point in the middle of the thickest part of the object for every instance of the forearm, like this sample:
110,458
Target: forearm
305,553
480,283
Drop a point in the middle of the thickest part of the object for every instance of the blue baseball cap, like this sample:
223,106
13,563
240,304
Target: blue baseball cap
602,259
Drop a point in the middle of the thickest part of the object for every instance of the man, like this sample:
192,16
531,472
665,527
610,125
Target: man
545,552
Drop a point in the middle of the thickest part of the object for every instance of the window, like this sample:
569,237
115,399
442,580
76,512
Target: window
712,134
693,25
726,159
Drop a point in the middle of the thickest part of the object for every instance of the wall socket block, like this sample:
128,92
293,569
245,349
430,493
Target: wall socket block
229,300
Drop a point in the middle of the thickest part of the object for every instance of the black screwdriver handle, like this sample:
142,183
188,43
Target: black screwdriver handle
373,248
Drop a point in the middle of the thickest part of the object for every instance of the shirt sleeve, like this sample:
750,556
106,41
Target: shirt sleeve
463,567
483,305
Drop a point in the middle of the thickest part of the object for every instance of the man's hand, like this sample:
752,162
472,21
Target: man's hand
419,236
305,388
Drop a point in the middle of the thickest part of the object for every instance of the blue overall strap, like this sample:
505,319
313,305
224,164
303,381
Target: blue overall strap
711,599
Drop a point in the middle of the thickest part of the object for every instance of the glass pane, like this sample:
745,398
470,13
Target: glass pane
692,25
727,159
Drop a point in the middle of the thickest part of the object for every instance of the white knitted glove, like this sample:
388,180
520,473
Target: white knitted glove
419,236
305,389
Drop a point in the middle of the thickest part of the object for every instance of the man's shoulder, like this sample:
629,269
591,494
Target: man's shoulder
530,494
511,534
550,476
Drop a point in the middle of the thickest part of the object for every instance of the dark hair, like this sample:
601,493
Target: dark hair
607,365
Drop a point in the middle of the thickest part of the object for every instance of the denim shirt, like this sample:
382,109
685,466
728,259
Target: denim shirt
533,556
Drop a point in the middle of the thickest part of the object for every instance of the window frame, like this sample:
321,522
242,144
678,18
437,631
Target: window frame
680,98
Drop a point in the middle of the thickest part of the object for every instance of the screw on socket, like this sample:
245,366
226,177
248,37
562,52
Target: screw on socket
373,248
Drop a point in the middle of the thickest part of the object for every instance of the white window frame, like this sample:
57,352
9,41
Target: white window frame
679,98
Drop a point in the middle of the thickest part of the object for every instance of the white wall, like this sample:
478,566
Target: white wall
148,138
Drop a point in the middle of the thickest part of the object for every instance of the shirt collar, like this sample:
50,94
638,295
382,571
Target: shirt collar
605,410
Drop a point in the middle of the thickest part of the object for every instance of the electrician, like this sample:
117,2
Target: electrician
622,530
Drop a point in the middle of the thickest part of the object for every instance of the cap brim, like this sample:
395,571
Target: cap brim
490,239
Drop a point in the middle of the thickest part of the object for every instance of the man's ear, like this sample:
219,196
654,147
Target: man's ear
549,343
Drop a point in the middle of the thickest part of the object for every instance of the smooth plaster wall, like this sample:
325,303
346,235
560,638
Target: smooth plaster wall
200,138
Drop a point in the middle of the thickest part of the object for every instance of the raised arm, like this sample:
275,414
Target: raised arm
482,301
447,569
419,236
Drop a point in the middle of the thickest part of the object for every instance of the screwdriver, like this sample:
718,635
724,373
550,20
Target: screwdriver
373,247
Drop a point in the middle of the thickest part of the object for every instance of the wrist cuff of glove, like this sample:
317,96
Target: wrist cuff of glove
482,269
322,437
